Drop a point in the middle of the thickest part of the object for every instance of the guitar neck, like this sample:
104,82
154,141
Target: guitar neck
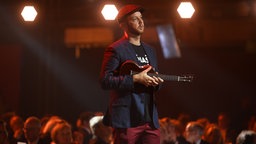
169,77
130,68
166,77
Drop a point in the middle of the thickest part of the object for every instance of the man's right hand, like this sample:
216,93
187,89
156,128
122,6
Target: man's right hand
145,79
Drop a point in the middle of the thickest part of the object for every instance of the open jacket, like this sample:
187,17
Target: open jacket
126,102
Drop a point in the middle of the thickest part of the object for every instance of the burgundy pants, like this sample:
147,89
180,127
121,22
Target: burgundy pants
143,134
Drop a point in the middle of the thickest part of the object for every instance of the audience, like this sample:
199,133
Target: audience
89,129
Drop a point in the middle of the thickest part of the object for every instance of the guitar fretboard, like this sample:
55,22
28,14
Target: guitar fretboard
130,68
169,77
166,77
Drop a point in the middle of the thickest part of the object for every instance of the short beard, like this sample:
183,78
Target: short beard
134,31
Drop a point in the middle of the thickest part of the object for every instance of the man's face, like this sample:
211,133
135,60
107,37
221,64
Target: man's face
135,23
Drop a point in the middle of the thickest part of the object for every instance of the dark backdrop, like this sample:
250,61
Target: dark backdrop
48,78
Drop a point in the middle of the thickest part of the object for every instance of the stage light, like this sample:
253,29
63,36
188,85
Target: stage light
29,13
109,12
186,10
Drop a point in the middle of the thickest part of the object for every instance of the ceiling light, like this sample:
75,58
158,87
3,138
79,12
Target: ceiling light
109,12
29,13
186,10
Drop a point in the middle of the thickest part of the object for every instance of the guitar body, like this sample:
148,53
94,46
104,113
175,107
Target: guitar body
130,67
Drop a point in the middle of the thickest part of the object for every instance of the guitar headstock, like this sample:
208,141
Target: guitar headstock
186,78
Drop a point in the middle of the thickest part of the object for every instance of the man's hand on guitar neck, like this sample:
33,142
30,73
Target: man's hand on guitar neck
145,79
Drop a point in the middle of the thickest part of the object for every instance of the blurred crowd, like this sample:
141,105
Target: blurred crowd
183,130
52,129
89,129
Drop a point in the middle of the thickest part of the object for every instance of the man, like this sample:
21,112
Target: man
132,111
32,127
194,132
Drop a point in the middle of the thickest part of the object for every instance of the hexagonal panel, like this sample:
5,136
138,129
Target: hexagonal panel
109,12
186,10
29,13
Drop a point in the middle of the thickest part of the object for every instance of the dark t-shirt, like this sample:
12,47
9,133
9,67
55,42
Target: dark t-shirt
143,60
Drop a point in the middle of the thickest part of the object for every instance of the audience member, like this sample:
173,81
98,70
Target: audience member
32,127
46,132
163,131
170,133
103,134
179,128
62,133
78,137
183,119
194,132
204,122
246,137
213,135
252,123
3,133
44,121
17,124
227,133
254,127
83,125
6,117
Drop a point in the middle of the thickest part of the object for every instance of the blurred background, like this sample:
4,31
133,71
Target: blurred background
52,65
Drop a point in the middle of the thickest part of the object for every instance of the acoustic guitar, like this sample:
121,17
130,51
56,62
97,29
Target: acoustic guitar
130,67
